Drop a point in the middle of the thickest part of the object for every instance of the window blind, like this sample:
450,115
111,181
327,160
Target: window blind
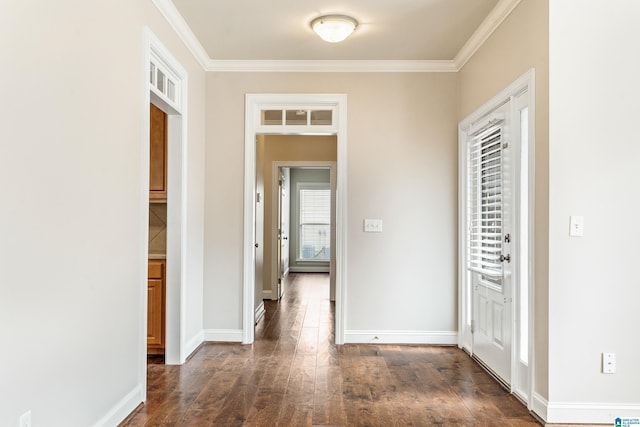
315,222
485,216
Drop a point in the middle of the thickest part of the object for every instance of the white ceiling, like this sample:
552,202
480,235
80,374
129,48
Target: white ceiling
267,30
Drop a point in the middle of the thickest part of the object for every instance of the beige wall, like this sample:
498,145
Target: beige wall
521,43
401,168
73,277
286,148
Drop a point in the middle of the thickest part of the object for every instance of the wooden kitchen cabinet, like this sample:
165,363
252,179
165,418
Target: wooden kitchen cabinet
158,155
156,297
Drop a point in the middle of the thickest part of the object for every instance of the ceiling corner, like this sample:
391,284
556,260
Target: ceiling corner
182,29
484,31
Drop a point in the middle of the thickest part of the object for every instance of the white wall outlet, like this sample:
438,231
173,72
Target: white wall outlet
25,419
576,226
608,363
373,226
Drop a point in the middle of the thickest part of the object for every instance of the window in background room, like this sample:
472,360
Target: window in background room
315,224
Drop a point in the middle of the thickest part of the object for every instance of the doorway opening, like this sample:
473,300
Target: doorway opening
295,212
496,199
297,114
166,94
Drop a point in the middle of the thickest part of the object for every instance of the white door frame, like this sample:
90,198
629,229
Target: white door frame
277,237
175,347
254,104
465,302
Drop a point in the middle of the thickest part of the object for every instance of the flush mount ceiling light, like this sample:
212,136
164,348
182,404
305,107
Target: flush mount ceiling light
334,28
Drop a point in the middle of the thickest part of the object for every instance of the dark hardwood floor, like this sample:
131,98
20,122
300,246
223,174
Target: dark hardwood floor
293,375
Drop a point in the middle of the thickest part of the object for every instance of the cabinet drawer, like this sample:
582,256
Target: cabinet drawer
156,269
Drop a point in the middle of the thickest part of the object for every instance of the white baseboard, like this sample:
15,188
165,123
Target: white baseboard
309,269
122,409
539,405
266,294
259,313
192,344
401,337
223,335
583,413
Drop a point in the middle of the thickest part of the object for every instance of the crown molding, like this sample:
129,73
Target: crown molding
484,31
182,29
332,66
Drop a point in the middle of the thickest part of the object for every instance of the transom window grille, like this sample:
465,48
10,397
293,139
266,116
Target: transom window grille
163,82
315,224
484,216
297,117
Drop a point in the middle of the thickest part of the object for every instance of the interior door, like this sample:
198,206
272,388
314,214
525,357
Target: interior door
284,187
489,256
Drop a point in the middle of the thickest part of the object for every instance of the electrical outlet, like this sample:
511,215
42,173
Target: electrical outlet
608,363
25,419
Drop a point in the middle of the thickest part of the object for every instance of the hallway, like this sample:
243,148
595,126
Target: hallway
293,375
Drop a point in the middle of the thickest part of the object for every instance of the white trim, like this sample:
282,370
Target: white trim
266,294
539,405
222,335
402,337
253,105
193,343
259,312
590,413
122,408
175,346
333,66
182,29
484,31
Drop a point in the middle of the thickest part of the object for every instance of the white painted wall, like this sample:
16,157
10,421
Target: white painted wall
72,238
594,151
401,168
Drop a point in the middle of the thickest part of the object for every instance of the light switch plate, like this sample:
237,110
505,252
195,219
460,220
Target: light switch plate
576,226
373,226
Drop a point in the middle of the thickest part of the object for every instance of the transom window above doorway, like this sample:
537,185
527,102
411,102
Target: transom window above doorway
297,117
163,81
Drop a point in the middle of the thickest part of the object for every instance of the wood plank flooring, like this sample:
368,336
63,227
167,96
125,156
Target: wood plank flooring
293,375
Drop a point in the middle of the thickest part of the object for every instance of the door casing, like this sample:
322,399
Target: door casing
254,104
282,232
525,83
176,348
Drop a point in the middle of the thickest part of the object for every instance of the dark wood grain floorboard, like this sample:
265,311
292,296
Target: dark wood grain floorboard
294,375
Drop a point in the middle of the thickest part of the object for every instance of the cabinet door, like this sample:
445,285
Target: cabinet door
156,308
158,157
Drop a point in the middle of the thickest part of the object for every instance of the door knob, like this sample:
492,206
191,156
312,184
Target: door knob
504,258
256,245
285,238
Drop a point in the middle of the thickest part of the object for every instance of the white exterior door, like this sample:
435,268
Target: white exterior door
489,258
496,199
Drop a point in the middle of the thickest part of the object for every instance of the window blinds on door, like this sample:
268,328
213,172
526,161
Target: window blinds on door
484,190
